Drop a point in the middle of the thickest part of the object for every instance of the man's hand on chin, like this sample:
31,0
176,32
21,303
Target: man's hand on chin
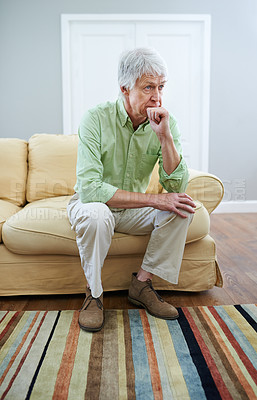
159,121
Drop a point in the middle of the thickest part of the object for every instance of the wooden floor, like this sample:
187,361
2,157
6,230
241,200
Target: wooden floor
236,240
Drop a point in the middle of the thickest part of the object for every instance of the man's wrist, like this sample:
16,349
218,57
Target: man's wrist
166,139
151,199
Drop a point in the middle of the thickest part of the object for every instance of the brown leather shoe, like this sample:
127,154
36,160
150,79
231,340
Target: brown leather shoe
143,294
91,316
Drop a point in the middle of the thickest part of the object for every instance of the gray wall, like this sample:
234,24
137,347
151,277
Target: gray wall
30,75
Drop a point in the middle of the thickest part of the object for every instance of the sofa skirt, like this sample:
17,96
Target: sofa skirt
62,274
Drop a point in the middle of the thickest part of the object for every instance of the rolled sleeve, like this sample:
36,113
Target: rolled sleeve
177,181
90,185
97,192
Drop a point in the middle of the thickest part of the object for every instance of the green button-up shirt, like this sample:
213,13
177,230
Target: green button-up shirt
111,155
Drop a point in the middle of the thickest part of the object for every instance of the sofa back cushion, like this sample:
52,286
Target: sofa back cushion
13,167
52,166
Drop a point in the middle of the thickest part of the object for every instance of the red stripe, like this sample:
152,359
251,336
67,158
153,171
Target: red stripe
23,358
224,392
8,325
153,364
11,329
243,357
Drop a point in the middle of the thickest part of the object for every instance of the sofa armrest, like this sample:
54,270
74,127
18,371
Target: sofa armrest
206,188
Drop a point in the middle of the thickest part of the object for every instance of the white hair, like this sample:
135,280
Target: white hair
135,63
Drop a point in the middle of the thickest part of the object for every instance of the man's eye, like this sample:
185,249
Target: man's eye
161,87
148,87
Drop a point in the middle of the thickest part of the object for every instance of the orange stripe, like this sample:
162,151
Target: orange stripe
19,348
61,389
153,364
224,392
233,363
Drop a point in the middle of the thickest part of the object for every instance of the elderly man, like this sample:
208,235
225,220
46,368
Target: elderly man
119,144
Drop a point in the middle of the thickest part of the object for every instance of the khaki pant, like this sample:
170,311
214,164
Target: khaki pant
95,223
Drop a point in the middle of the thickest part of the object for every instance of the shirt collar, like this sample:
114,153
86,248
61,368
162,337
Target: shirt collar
124,115
122,112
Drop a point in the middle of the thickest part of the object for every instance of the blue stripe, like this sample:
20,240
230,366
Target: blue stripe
143,384
238,335
17,342
193,382
166,390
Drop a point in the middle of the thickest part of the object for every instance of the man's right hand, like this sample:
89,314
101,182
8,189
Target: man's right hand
174,202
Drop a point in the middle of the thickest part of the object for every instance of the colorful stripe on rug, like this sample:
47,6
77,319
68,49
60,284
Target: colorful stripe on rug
208,353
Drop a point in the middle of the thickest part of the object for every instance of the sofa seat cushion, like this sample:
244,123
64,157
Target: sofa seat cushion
42,227
13,167
6,210
60,274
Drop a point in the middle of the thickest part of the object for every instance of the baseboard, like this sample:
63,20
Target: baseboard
249,206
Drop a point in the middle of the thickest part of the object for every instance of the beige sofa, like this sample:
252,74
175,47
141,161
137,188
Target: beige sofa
38,252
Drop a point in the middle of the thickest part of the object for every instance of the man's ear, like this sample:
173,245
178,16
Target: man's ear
124,90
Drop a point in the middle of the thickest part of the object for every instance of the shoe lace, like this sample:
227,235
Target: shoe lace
90,298
150,286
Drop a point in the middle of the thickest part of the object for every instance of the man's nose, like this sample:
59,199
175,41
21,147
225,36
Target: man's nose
156,95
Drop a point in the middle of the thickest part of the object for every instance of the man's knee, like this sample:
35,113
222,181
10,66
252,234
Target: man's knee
166,217
94,217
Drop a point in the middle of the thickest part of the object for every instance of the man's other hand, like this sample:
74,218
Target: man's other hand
175,202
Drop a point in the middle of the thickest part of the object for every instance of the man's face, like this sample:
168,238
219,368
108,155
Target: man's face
146,93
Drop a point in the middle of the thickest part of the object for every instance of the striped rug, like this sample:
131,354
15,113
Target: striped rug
208,353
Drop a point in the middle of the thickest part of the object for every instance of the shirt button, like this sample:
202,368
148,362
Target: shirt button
128,175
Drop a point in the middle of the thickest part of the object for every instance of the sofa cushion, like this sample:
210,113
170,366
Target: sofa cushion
13,167
42,227
206,188
52,166
6,210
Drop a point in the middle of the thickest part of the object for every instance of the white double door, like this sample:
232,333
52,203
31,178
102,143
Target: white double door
91,50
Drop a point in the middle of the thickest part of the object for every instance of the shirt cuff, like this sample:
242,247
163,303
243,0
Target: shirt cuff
100,194
177,180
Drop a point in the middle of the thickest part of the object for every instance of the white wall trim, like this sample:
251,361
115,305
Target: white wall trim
248,206
137,17
206,92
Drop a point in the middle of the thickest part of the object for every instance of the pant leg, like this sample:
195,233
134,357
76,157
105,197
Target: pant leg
165,248
94,227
